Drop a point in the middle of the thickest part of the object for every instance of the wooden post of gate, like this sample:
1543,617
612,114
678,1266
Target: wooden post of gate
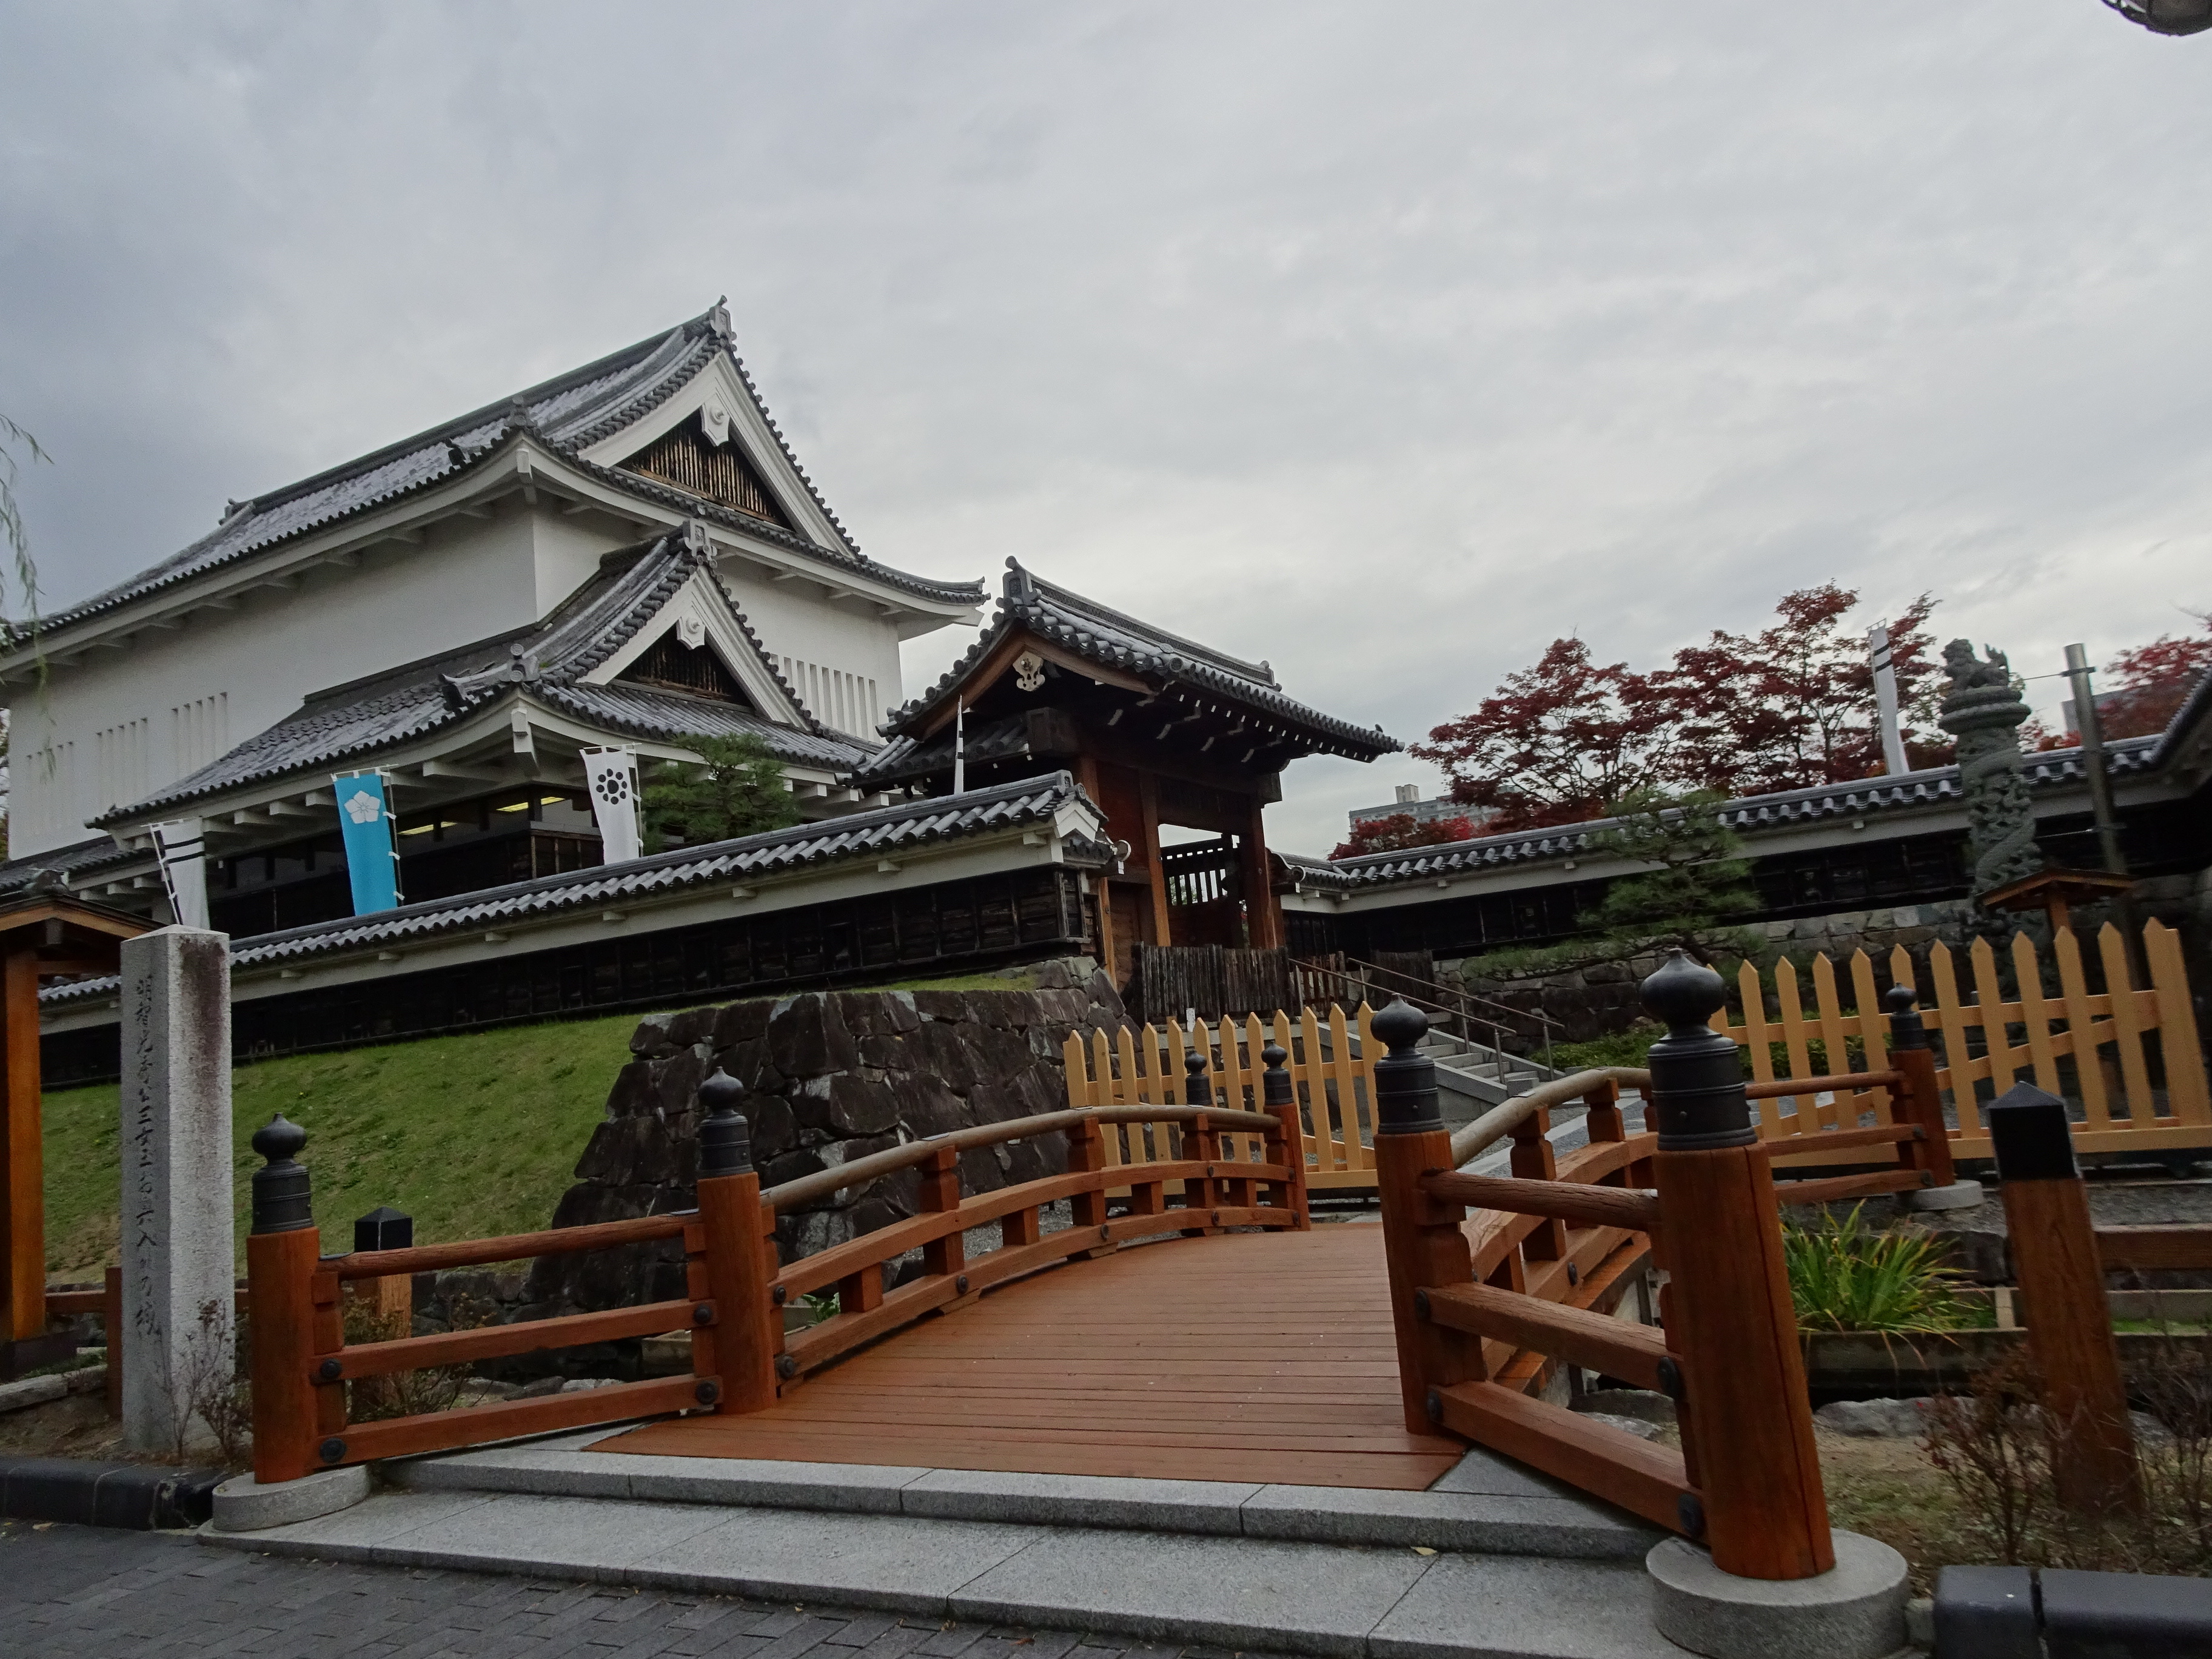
2054,1252
1729,1317
1279,1097
281,1253
1422,1238
734,1356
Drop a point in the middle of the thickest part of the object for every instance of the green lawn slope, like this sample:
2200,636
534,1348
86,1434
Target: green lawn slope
474,1136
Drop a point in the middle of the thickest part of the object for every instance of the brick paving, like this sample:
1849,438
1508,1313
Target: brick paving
82,1591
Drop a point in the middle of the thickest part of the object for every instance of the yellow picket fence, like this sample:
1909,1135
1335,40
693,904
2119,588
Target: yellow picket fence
2127,1056
1335,1087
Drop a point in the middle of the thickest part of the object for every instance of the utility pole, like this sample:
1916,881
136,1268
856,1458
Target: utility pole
2093,759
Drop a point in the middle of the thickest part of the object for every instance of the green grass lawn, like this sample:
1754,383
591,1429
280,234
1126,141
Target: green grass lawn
474,1136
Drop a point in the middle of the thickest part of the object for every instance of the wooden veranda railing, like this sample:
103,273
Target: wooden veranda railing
1329,1061
734,1292
2127,1056
1480,1313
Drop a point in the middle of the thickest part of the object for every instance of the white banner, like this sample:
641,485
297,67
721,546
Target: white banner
183,855
612,774
1885,700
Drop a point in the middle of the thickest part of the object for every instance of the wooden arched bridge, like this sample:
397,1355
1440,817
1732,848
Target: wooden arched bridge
1166,1307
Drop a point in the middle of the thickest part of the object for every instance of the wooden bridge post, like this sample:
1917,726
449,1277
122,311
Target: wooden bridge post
2070,1322
1729,1316
1201,1142
734,1357
281,1254
1422,1240
1086,1155
1279,1097
1920,1101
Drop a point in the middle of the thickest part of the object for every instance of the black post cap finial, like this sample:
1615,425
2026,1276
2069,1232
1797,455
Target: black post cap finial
726,1144
1276,1088
284,1191
2030,1136
1906,1029
1405,1078
1697,1077
1196,1090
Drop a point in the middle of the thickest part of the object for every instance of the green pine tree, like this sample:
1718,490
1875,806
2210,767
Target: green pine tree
735,788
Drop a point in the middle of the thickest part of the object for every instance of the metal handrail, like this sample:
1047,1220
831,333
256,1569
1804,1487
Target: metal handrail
1471,996
1458,1009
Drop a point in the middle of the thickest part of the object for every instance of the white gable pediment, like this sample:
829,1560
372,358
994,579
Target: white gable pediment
728,411
699,614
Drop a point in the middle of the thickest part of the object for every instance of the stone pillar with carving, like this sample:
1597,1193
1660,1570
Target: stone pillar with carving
1983,710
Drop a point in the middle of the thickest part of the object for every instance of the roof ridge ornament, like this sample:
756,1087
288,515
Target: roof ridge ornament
699,542
718,320
519,416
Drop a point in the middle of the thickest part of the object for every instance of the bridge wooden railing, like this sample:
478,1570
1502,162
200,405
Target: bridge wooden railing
734,1294
1481,1311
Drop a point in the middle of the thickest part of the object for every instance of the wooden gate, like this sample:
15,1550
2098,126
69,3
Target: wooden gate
1168,981
1330,1062
2127,1058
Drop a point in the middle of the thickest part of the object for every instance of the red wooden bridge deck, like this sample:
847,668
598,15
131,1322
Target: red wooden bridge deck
1243,1357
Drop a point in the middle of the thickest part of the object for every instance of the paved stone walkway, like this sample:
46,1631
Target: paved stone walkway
82,1591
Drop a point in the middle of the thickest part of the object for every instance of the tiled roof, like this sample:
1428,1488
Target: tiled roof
567,414
353,722
1099,634
70,863
863,835
1752,814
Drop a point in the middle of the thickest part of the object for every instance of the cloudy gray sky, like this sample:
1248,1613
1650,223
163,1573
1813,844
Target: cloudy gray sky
1383,341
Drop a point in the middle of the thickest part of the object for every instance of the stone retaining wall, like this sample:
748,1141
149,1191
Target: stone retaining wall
829,1077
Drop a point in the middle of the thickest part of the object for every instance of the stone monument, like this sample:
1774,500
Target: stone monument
178,1271
1983,710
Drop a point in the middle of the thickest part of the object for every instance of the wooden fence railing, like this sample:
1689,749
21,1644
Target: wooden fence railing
2128,1056
1479,1307
1330,1063
734,1293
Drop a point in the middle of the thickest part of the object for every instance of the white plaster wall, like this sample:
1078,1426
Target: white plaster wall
841,658
225,676
568,551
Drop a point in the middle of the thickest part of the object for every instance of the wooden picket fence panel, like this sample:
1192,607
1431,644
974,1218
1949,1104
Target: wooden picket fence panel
2111,1038
1335,1088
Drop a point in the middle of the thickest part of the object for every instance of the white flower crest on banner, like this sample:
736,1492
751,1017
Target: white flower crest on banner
612,776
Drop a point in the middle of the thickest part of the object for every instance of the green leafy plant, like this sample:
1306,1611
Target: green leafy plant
735,788
1846,1276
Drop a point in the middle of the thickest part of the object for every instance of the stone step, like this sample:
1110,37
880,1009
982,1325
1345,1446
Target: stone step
1026,1564
1487,1503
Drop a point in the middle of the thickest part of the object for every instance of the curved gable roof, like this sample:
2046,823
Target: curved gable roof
566,414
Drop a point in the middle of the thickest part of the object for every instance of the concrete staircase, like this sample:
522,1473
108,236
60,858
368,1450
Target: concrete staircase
1478,1074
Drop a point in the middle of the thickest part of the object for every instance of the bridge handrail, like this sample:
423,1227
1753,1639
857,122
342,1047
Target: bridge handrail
826,1183
1499,1121
1747,1482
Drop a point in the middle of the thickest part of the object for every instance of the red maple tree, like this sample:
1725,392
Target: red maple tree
1558,741
1401,831
1785,708
1793,707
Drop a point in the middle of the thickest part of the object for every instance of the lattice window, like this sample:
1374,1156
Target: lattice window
671,666
719,472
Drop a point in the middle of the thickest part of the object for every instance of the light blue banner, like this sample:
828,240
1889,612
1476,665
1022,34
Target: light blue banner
371,862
